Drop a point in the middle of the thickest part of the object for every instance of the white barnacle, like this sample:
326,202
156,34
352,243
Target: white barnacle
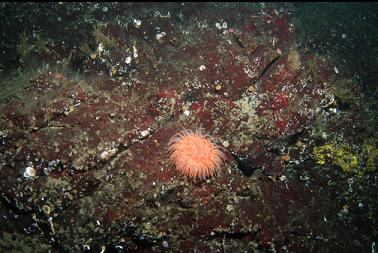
145,133
226,144
107,154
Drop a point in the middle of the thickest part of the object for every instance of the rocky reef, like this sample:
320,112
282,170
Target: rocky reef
84,160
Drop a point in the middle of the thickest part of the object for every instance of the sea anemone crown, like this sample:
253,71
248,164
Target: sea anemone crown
195,155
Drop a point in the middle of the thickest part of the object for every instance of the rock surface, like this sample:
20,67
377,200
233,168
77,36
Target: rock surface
300,174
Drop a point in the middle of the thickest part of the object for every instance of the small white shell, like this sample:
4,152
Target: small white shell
30,172
135,52
186,112
282,178
145,133
202,67
128,60
107,154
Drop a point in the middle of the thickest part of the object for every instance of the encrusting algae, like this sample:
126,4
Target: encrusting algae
340,155
372,157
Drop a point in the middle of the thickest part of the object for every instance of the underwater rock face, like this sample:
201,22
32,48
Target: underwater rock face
85,163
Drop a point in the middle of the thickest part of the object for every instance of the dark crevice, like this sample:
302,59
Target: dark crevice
267,67
244,164
237,235
13,205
